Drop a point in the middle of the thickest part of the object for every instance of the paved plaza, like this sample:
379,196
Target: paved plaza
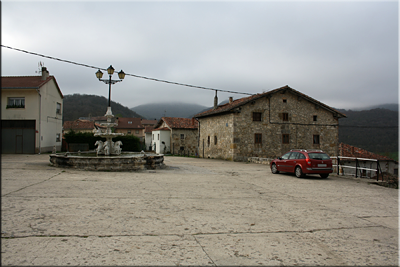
195,212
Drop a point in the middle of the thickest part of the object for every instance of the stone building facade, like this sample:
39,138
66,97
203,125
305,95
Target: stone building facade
176,136
267,125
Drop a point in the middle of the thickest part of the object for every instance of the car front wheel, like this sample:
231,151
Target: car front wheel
274,169
299,172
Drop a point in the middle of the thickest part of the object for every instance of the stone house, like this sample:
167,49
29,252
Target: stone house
267,125
175,136
365,159
31,114
130,126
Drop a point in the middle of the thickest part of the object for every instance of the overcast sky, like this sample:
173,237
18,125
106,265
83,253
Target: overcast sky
342,53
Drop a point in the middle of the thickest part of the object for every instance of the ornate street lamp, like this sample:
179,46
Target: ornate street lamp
109,81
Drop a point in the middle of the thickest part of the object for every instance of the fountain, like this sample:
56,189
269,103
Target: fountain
108,155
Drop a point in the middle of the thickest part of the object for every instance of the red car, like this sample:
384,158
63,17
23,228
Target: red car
302,162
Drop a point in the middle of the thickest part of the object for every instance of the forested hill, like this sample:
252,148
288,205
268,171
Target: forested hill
77,105
375,130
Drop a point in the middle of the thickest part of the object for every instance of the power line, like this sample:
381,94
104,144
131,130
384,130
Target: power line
133,75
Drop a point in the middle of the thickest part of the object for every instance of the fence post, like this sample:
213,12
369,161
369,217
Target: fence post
356,167
337,164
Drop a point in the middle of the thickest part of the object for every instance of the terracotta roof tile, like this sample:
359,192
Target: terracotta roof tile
26,82
78,125
162,129
180,123
242,101
148,129
346,150
129,123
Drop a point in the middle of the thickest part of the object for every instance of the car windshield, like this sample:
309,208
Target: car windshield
320,156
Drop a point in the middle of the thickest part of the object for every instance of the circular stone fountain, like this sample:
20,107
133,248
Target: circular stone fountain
108,155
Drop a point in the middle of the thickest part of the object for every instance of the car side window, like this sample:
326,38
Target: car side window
286,156
301,156
293,155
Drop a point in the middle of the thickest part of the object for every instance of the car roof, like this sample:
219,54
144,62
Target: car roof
307,150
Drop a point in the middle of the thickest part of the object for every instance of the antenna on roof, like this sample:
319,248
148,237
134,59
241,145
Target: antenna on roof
40,65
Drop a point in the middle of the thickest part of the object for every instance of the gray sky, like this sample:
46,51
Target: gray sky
342,53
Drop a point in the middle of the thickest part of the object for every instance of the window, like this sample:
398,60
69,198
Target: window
182,136
215,140
153,136
129,122
158,136
301,156
256,116
58,110
294,155
286,156
16,102
285,116
285,139
129,132
58,137
316,139
208,141
284,100
137,131
257,138
315,118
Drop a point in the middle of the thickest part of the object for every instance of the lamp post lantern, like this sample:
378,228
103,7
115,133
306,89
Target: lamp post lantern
109,81
109,147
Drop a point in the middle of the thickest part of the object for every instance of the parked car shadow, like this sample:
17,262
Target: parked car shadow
308,176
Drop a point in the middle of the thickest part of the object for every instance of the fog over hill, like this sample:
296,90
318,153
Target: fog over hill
172,109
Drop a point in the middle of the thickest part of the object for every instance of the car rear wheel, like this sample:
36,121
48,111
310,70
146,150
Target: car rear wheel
299,172
324,175
274,169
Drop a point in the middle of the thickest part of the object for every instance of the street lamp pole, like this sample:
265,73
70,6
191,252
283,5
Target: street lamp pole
109,81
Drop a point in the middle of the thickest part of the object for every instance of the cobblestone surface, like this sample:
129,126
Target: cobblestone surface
197,212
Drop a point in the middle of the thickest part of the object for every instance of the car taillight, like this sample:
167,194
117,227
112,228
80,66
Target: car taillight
308,161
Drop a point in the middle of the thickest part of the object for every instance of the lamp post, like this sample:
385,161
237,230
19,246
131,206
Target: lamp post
109,81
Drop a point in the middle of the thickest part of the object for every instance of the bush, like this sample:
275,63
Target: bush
129,142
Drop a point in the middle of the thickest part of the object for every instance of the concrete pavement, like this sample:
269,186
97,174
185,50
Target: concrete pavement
196,212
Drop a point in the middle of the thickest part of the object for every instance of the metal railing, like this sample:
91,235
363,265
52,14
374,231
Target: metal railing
340,161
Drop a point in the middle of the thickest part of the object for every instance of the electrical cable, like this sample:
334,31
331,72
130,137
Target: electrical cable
133,75
164,81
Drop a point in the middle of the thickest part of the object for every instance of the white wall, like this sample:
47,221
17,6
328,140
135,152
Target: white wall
50,120
159,137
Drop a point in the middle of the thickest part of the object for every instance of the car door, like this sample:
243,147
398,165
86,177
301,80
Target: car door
291,161
282,162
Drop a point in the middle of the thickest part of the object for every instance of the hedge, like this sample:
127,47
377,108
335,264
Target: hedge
129,142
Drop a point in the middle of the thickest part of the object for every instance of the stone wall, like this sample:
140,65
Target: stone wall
216,137
185,145
236,131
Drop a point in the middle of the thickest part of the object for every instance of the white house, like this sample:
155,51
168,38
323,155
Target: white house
31,114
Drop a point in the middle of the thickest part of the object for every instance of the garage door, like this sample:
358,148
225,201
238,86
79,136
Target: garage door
18,136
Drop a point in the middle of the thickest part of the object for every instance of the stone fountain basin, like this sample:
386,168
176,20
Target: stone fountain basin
126,161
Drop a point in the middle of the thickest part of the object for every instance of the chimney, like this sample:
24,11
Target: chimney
193,121
215,100
45,73
230,100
